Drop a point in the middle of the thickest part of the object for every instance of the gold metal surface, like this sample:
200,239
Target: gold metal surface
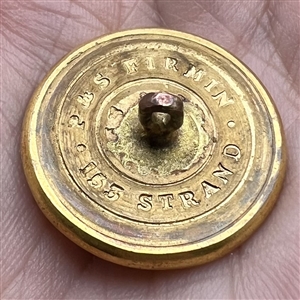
99,181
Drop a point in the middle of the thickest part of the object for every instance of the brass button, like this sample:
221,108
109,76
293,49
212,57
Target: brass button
153,149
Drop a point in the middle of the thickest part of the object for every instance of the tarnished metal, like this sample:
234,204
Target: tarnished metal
174,204
161,114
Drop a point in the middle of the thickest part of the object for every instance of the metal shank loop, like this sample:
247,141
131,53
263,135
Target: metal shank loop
161,113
